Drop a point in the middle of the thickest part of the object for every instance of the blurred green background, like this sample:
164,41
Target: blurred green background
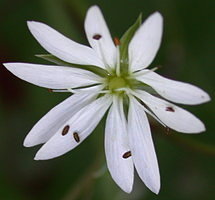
187,54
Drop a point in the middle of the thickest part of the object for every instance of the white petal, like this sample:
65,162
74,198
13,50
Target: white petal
116,145
82,123
146,42
142,148
62,47
96,25
152,115
49,124
51,76
172,115
175,91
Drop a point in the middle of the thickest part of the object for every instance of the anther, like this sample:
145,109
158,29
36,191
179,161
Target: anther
159,66
76,137
65,130
97,37
170,109
167,130
127,154
116,41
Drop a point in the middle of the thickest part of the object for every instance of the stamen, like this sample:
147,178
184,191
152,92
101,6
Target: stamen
62,90
56,90
76,137
65,130
167,130
127,154
116,41
50,90
97,37
149,70
71,90
154,69
122,90
170,109
104,92
159,66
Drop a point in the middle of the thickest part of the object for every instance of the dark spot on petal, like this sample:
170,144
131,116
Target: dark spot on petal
170,109
127,154
116,41
65,130
97,37
76,137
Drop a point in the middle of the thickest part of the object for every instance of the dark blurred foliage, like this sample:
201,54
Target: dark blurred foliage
187,54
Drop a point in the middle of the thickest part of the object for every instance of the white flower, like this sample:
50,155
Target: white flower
128,140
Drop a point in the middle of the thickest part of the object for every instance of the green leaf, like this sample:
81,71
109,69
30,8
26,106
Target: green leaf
53,59
126,38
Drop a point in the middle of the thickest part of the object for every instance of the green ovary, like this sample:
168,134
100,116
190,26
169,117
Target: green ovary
116,83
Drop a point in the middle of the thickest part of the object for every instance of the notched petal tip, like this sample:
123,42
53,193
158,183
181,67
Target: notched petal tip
29,22
155,186
41,156
205,97
94,8
27,144
201,128
157,14
32,23
35,158
155,17
7,65
35,26
38,156
10,66
127,189
156,190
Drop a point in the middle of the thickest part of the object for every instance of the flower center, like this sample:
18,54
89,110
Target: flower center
116,83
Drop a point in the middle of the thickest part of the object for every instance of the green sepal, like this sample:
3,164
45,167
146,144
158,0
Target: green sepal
53,59
125,40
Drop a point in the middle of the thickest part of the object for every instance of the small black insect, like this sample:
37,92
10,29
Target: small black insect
127,154
170,109
76,137
97,37
65,130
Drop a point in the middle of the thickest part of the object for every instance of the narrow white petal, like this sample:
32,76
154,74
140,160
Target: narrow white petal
62,47
172,115
49,124
95,25
152,115
81,124
51,76
116,145
146,42
142,148
174,91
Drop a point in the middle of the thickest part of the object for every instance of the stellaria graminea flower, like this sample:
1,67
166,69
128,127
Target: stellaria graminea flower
111,76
